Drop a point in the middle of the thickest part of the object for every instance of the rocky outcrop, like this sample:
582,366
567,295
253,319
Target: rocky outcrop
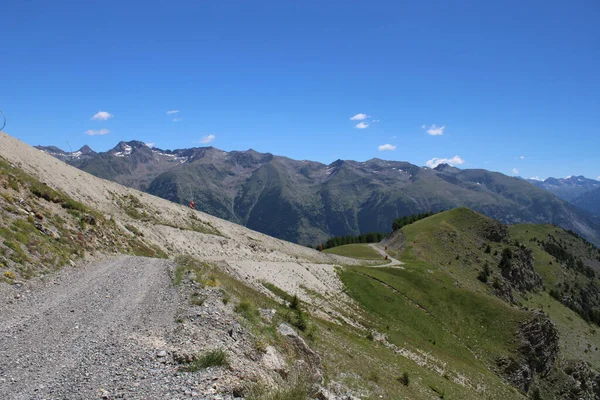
583,382
396,241
309,362
539,343
520,272
494,231
537,352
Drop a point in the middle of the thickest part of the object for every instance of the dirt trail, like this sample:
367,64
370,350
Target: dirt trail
393,262
86,330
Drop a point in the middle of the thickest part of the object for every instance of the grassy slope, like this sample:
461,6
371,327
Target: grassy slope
360,251
437,304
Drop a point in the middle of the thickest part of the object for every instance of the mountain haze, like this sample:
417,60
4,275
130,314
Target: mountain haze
307,202
568,189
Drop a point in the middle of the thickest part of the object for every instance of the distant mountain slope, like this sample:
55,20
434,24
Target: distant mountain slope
307,202
567,188
589,201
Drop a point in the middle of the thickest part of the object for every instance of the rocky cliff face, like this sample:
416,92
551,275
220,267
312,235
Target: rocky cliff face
583,382
538,350
520,272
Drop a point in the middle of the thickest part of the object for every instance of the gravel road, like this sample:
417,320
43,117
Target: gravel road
87,333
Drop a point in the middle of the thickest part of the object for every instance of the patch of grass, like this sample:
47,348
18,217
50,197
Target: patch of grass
296,388
187,264
18,254
213,358
278,292
248,310
142,249
360,251
134,230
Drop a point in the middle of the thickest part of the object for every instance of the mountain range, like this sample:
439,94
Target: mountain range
306,202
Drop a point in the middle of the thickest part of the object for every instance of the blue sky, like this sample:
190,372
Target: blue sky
505,80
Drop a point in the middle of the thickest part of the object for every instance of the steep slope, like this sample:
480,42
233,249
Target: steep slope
589,201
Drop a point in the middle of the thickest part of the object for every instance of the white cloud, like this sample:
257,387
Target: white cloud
177,119
171,112
515,171
598,178
102,116
359,117
385,147
393,137
362,125
434,162
522,157
434,130
375,120
536,178
208,139
94,132
151,144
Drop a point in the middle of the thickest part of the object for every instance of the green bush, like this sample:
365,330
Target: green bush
404,379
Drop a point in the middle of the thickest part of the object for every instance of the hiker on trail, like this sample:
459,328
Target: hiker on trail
192,205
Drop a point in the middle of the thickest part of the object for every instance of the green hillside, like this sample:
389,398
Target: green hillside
500,328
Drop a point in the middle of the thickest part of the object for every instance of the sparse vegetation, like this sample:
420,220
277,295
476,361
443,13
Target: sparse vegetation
297,387
212,358
248,310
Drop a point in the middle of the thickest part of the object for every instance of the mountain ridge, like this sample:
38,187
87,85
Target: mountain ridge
307,201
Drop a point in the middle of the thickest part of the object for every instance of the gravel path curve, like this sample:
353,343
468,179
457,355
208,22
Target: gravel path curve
393,262
88,333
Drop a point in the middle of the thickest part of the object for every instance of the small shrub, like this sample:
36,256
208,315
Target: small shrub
214,358
485,274
10,275
373,377
404,379
488,249
226,297
295,303
370,336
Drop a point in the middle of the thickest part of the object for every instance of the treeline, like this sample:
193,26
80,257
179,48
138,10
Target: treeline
371,237
584,300
567,258
409,219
